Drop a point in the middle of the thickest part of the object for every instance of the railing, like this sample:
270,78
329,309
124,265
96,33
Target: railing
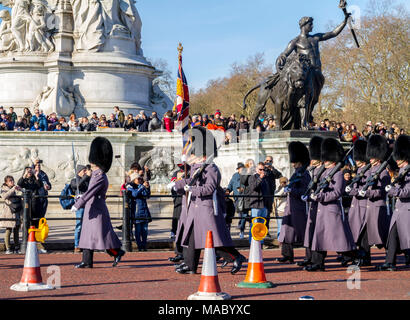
126,215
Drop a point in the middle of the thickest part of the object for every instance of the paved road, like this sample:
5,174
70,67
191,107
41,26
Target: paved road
148,275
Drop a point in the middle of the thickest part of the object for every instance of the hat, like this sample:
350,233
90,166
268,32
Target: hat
80,167
134,176
402,148
240,165
377,147
217,112
359,151
332,150
298,152
315,146
101,153
203,143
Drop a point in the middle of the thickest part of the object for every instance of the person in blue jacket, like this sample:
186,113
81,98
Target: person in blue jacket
138,193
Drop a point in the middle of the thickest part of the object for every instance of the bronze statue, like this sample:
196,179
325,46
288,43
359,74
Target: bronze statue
295,88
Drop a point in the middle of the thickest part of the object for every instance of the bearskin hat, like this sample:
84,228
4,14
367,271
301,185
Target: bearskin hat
359,151
298,152
402,148
315,146
203,143
332,150
101,153
377,147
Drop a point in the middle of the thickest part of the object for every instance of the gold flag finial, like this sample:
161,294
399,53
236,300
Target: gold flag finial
180,48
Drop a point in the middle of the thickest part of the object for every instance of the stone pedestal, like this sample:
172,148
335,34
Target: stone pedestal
160,151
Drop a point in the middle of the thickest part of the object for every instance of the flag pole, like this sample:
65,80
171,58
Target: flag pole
180,49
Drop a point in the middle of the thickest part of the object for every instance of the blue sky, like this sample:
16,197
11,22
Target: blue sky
217,33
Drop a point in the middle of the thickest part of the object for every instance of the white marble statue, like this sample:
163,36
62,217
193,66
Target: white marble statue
20,19
7,42
97,20
37,38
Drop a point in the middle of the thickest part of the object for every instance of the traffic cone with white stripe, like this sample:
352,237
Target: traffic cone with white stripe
209,288
255,276
31,279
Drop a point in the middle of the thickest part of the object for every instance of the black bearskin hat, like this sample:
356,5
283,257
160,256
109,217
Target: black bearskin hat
101,153
315,146
298,152
332,150
203,143
402,148
359,151
377,147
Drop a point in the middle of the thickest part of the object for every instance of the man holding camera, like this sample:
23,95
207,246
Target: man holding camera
258,190
271,175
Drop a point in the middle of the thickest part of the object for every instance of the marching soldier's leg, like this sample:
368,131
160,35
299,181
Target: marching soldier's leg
392,250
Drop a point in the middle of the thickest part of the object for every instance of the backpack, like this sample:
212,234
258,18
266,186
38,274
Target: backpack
67,203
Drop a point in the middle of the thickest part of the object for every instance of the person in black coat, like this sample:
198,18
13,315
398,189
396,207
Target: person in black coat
30,181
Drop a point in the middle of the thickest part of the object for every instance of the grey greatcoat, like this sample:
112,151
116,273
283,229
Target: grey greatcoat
181,221
201,213
377,215
295,215
357,211
311,216
401,215
332,232
97,232
5,212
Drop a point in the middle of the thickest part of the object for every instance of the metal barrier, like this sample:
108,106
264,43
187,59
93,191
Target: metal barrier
126,214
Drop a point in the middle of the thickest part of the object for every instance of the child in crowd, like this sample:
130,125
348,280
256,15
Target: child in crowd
138,193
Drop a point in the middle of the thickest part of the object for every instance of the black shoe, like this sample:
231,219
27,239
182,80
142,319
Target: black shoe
180,265
185,270
119,227
304,263
83,265
177,258
224,263
345,261
407,259
314,268
362,262
386,267
118,257
237,264
285,260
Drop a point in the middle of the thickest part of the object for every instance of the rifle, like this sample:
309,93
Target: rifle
401,176
358,177
373,178
296,177
326,181
313,183
75,171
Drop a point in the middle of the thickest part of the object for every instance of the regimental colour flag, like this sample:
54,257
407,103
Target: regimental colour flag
182,105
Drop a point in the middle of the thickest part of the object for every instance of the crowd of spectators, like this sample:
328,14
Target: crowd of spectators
38,121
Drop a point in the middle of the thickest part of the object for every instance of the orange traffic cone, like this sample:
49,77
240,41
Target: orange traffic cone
209,288
31,279
255,276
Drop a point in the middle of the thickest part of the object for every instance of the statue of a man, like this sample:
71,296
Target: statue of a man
308,45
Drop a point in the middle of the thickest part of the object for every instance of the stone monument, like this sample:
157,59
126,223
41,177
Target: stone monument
76,56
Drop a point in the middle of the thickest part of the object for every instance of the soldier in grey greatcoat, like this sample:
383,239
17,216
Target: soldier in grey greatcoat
332,232
399,235
357,211
377,218
295,216
205,206
97,232
316,170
